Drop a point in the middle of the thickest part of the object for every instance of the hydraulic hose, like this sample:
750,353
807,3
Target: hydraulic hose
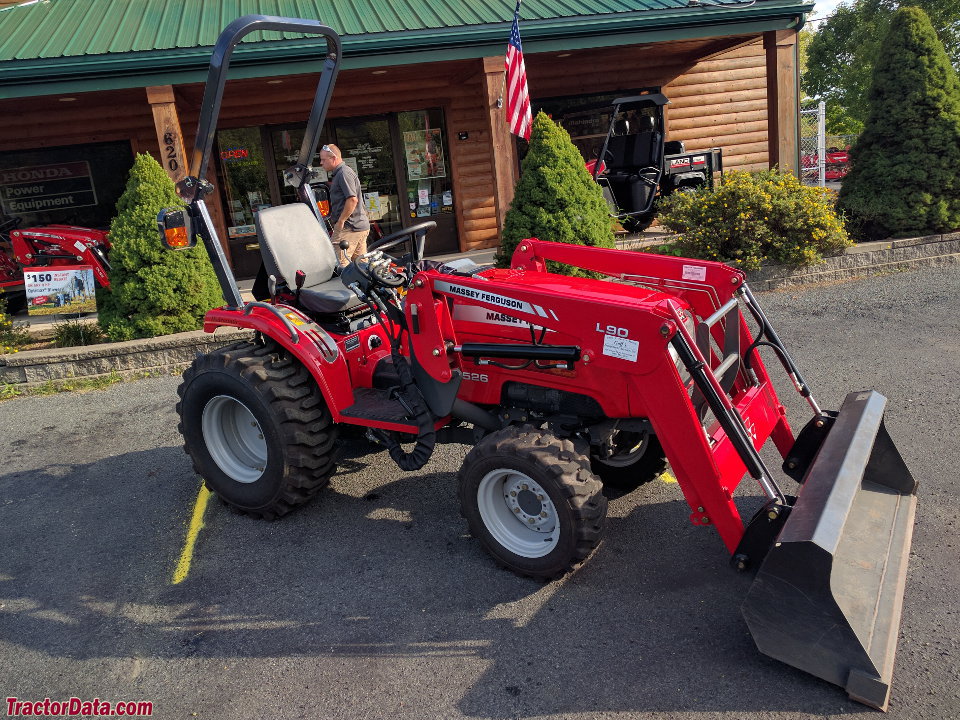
426,437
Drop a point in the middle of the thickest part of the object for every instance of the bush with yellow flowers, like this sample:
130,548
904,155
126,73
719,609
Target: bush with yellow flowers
752,218
12,336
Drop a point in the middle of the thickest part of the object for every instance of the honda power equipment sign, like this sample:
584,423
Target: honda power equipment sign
46,187
60,290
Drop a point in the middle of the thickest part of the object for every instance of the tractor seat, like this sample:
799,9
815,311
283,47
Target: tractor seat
291,239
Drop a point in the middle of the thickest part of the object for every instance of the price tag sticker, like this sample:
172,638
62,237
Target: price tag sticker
623,348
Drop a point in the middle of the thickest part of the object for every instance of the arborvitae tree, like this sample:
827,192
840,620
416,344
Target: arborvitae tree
905,167
153,291
555,198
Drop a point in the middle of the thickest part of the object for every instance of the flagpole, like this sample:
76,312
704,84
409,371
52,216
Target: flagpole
503,80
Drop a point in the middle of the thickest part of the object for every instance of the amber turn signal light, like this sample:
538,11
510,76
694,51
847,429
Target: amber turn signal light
175,229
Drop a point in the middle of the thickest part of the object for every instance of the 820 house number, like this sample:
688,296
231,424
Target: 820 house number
170,151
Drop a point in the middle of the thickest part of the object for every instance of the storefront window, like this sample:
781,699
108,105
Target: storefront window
244,179
428,177
401,160
72,185
367,148
586,118
286,143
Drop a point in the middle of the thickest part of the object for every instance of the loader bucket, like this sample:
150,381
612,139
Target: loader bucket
827,597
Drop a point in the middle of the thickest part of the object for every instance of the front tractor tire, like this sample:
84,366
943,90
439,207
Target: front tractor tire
257,429
532,501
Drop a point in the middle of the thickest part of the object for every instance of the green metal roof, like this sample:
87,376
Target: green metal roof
50,45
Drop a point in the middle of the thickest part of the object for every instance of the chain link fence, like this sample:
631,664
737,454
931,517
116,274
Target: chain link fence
813,146
823,158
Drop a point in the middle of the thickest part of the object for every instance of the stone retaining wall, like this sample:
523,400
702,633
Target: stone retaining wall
170,353
864,259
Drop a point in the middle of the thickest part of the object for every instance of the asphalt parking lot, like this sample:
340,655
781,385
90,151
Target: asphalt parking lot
372,601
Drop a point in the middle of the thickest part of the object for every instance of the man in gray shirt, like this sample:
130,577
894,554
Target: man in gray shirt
349,216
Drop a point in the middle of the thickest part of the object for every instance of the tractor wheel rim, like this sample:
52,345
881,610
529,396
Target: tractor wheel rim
518,513
234,439
629,450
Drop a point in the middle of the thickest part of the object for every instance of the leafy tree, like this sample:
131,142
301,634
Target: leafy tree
905,167
555,198
841,55
153,291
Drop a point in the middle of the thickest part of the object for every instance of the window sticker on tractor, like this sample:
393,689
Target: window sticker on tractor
620,347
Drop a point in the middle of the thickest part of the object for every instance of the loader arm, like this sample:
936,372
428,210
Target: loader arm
831,563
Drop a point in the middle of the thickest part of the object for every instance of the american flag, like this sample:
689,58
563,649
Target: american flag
518,100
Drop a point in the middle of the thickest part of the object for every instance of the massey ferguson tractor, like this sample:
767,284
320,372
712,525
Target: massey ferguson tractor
561,385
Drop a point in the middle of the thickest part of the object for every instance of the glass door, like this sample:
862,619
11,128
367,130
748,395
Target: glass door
246,189
285,142
367,148
427,176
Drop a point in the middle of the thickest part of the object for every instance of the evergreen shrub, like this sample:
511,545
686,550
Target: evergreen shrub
752,217
73,333
555,198
153,291
905,166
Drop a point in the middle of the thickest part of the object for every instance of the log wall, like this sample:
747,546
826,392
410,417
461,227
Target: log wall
722,102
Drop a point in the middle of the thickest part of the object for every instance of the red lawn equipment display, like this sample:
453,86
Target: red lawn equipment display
837,164
48,246
561,385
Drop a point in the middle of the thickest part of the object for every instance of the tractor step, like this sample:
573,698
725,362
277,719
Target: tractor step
380,406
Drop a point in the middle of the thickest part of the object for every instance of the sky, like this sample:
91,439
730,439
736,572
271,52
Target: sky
824,7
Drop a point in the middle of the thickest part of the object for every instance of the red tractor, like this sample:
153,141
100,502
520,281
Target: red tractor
47,246
561,385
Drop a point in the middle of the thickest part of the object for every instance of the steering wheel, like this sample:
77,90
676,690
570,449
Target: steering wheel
646,179
395,238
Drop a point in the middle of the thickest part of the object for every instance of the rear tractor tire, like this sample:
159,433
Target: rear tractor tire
637,459
532,501
257,429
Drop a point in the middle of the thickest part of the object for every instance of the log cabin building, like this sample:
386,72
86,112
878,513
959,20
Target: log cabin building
85,84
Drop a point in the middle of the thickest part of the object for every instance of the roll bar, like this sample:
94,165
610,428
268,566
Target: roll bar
194,187
217,79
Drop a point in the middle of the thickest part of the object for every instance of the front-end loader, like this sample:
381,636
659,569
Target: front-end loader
561,385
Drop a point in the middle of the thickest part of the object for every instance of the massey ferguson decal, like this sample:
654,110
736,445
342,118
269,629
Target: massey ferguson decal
478,314
493,299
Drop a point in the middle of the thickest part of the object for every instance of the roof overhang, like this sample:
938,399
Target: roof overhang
89,73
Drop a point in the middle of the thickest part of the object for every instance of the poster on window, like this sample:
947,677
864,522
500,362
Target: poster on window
373,204
423,151
56,290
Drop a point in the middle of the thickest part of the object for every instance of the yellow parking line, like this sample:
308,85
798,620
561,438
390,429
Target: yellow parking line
196,522
668,478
